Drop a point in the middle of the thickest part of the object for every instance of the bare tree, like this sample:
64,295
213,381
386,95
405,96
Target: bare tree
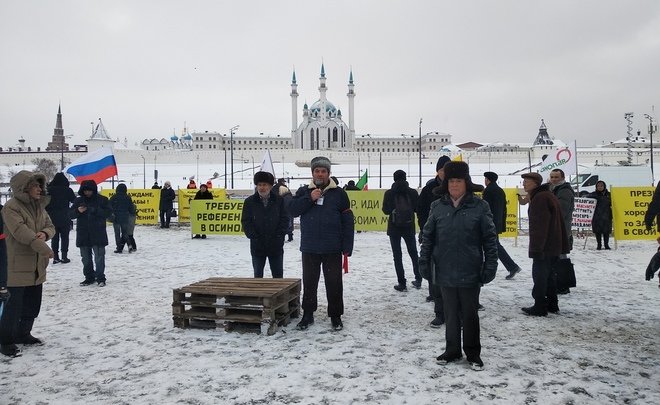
45,166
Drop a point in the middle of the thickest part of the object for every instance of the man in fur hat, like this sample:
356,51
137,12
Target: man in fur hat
326,234
265,222
459,238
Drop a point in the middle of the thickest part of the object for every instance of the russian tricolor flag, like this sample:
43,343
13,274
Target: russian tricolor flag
98,165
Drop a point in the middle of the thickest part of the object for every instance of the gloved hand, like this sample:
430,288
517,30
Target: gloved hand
425,268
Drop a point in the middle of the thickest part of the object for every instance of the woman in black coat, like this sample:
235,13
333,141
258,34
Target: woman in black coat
167,196
61,197
601,224
202,194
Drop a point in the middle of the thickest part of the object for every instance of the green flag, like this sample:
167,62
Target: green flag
363,184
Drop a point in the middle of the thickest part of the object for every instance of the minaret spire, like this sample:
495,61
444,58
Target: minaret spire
351,110
294,109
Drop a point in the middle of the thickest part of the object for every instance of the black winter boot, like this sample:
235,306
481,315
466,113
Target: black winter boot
598,241
65,257
606,238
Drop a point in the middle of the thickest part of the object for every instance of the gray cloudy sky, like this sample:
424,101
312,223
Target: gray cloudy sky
481,70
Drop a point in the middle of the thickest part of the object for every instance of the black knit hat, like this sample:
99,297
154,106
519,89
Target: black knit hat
399,175
264,177
321,161
442,162
457,170
491,176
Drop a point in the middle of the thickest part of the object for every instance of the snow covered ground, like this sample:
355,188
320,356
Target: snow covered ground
117,345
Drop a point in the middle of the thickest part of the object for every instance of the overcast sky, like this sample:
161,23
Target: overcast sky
482,71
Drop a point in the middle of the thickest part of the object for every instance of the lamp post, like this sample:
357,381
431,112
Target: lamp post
420,153
62,152
231,154
225,150
648,117
144,172
197,174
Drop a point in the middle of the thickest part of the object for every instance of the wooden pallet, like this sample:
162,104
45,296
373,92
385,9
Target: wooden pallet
249,304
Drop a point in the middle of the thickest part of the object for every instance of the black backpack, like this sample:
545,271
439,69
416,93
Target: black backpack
403,214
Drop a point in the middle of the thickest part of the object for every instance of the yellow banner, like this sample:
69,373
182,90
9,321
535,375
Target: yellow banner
186,195
367,207
219,217
511,213
146,202
629,205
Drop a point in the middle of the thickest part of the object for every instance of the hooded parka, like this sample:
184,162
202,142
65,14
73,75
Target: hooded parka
24,217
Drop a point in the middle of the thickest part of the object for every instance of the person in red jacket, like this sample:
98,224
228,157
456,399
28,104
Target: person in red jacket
547,240
191,185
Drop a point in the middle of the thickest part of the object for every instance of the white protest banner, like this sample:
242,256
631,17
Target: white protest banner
583,213
563,158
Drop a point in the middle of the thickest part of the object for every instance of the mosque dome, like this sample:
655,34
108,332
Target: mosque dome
174,138
186,137
329,107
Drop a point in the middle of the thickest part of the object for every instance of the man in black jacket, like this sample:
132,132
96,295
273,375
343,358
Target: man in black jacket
426,197
91,210
496,199
265,222
61,197
326,233
404,197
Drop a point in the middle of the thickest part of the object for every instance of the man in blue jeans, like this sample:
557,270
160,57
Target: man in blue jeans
91,211
400,225
496,199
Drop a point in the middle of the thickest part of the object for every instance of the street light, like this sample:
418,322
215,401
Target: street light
420,153
197,175
648,117
231,148
144,172
62,151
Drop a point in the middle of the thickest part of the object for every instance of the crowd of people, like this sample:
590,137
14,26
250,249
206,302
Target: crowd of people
458,236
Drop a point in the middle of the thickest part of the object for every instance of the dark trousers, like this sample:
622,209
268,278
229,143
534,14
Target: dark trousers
121,234
98,252
504,257
3,263
165,216
462,303
411,245
544,276
289,230
332,274
61,234
438,305
19,313
276,263
604,236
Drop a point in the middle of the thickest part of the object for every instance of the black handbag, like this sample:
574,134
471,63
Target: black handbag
173,213
565,274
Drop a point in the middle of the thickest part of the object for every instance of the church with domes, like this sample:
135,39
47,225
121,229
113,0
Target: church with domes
322,126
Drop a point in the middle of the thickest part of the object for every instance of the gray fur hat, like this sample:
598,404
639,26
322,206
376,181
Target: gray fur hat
321,161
